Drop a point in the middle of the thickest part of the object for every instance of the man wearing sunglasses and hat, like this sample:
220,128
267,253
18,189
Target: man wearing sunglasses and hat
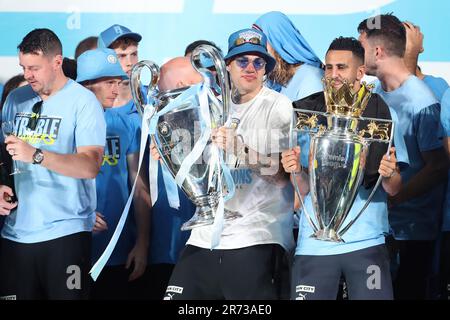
247,262
59,139
99,71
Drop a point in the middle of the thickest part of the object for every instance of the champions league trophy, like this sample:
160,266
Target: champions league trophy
184,125
337,156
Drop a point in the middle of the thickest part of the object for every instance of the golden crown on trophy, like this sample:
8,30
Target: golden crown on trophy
344,101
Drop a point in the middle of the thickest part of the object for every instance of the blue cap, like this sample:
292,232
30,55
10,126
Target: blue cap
99,63
116,31
248,41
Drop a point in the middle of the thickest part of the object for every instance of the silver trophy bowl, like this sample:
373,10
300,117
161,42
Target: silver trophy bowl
337,157
178,130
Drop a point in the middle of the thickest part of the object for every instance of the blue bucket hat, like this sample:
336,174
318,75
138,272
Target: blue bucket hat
116,31
99,63
248,41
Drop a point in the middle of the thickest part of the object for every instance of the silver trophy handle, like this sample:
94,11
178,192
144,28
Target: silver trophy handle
294,175
377,184
135,84
222,74
211,54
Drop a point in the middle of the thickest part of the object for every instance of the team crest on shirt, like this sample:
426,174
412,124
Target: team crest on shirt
45,133
111,154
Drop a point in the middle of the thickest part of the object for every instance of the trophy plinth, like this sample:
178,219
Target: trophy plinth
204,215
327,234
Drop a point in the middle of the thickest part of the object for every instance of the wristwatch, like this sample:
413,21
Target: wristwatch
38,156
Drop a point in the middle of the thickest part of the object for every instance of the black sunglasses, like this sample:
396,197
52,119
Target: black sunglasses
35,114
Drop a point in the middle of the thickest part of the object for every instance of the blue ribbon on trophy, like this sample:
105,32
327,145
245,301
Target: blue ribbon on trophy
101,262
177,117
198,94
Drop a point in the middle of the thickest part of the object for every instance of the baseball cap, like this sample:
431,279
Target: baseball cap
116,31
99,63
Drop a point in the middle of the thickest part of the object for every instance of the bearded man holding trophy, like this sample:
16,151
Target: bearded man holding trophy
350,156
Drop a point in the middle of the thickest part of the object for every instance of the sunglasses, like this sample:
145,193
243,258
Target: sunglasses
240,41
35,114
243,63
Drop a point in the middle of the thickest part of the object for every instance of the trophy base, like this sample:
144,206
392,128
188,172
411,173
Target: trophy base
327,235
204,216
200,218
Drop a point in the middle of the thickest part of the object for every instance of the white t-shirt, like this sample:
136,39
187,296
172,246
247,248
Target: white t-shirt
266,207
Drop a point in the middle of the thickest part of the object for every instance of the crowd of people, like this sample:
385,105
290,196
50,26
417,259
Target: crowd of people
76,141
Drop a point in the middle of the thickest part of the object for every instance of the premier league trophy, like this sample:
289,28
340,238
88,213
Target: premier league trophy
183,119
339,146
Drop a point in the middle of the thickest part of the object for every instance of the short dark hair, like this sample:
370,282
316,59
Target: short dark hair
41,40
123,43
389,30
10,85
348,44
86,44
197,43
69,67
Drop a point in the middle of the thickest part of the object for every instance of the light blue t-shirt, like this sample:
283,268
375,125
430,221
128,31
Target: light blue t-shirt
167,240
129,111
445,121
122,139
437,85
369,230
127,108
52,205
130,108
306,81
418,122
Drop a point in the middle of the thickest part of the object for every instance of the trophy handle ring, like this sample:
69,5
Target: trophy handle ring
135,84
222,75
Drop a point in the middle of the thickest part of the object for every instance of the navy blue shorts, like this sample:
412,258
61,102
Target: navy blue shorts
254,272
366,274
55,269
